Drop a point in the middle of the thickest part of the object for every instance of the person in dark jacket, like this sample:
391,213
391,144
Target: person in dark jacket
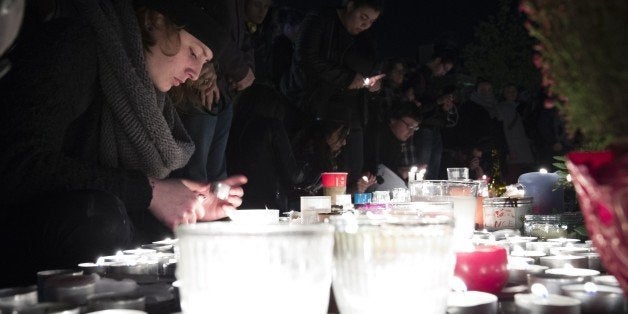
481,124
89,135
390,144
316,150
208,121
259,148
334,55
435,101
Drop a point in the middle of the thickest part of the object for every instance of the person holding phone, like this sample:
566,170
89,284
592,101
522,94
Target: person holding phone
334,68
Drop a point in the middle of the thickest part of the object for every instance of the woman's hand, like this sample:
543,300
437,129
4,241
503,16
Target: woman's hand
363,184
178,201
207,87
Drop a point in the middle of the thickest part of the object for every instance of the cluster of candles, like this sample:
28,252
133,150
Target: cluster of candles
556,276
83,289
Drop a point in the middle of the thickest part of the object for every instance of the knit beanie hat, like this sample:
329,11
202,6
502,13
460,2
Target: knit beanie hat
207,20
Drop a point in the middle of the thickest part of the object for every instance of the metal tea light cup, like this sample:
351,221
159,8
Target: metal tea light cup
13,298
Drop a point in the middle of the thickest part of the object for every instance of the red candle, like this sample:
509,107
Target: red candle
485,268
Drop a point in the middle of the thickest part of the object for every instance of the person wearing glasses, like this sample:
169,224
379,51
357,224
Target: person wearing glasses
391,145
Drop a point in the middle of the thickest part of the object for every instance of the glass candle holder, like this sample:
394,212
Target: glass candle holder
237,268
392,265
463,194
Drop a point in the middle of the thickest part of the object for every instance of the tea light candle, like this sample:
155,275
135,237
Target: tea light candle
541,301
12,298
593,259
536,255
607,280
461,301
166,241
139,251
573,272
597,298
564,241
158,247
130,301
542,246
568,250
70,289
559,261
553,282
518,273
51,307
541,187
520,242
93,268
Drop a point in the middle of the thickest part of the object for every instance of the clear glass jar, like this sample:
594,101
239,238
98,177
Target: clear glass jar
552,226
505,213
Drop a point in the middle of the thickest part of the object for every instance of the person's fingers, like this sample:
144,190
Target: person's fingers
236,191
235,181
234,201
376,78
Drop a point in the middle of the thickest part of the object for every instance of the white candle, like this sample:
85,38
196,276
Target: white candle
573,272
596,298
518,273
607,280
559,261
563,241
462,301
540,301
541,246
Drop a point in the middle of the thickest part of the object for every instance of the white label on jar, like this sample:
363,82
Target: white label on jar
499,218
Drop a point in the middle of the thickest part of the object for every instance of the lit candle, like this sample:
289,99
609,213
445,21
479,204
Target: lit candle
607,280
518,273
559,261
571,271
596,298
461,301
568,250
541,246
484,268
541,187
541,301
519,252
564,241
554,282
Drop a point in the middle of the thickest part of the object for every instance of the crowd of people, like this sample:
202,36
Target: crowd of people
121,116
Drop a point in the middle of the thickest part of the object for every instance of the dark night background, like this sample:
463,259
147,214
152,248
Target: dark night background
405,25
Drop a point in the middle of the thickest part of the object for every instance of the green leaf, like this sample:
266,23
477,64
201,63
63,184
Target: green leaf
559,165
581,230
560,158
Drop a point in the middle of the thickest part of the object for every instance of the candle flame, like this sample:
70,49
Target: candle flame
590,287
543,170
484,177
414,169
458,285
568,266
100,261
539,290
366,179
119,253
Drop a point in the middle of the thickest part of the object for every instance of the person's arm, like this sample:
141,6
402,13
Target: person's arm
312,60
51,86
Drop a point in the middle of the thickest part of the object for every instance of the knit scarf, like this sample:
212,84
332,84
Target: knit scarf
488,102
140,129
